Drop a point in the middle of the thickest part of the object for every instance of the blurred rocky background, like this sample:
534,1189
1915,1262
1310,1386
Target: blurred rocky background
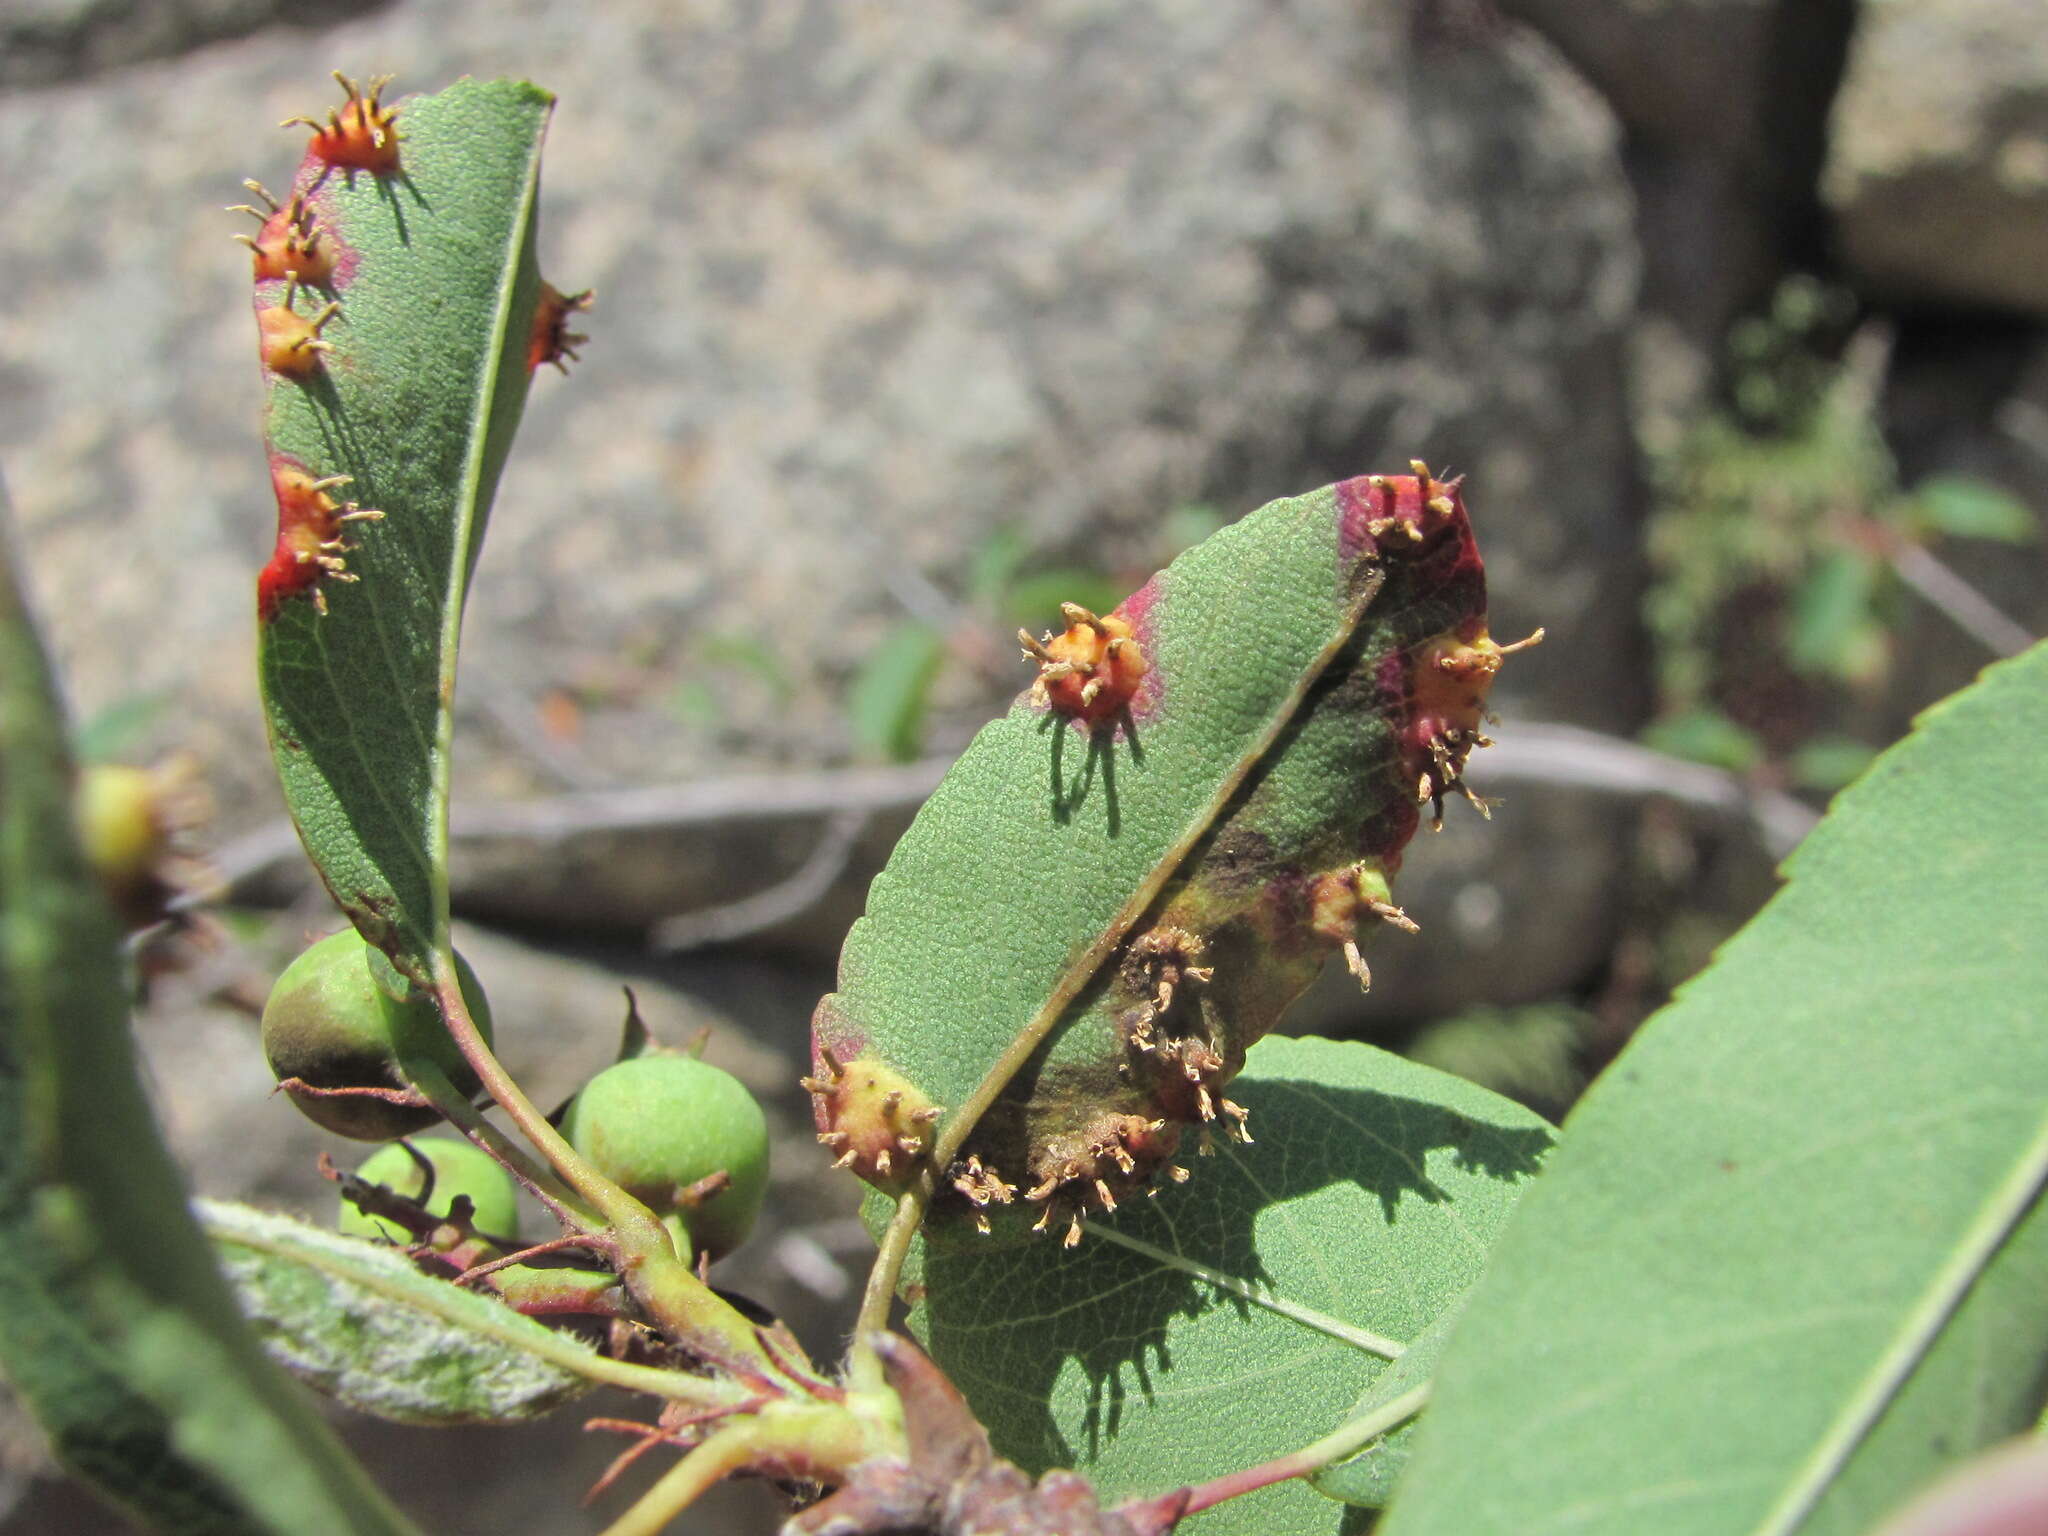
913,320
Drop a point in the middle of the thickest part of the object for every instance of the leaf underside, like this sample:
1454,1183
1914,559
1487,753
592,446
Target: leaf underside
1781,1272
418,402
1370,1203
333,1310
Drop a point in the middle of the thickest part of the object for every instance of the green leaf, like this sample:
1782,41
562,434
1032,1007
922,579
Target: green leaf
1705,736
417,402
115,729
1830,613
1528,1053
1782,1269
1227,825
359,1322
1367,1210
1830,763
1966,507
890,692
117,1330
994,566
1033,602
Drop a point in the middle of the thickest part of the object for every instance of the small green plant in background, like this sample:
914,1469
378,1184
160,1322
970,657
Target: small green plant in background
1530,1054
1778,543
733,658
1164,1269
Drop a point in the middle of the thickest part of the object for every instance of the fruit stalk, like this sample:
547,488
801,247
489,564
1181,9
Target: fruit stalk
683,1307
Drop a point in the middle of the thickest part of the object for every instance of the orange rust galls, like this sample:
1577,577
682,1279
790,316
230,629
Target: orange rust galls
1339,898
1091,670
1094,1167
1448,680
1400,514
310,544
872,1118
360,134
290,342
289,245
551,340
1157,964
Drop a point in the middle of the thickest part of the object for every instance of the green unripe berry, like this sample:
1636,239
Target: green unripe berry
329,1024
131,822
459,1169
120,825
658,1124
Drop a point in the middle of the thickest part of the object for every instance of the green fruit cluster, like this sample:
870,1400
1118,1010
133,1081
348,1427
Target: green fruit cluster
330,1025
658,1124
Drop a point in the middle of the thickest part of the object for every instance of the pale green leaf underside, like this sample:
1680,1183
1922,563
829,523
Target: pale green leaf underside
358,1321
418,401
1771,1280
1371,1197
117,1330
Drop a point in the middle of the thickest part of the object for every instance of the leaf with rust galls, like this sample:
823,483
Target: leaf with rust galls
1125,881
395,294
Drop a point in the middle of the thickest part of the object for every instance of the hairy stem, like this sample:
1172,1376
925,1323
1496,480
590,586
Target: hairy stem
814,1439
556,1349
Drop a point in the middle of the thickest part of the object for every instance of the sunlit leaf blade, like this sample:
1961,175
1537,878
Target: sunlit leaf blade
1366,1210
1782,1271
117,1330
358,1321
1310,670
417,402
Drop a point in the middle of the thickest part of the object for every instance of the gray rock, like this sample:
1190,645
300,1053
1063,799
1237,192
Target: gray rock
1937,172
871,284
1724,103
44,41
